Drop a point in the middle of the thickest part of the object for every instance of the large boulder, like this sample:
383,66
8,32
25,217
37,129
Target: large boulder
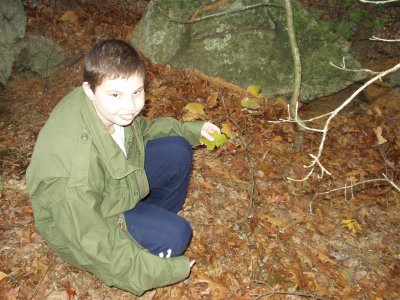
39,57
12,31
245,45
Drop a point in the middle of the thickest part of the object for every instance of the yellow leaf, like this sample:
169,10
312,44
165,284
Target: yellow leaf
69,16
352,225
227,128
195,108
251,103
379,137
378,111
254,90
2,275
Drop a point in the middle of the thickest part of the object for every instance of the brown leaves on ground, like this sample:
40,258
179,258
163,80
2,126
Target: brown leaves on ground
342,245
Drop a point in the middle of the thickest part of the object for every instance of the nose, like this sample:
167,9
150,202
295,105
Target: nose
128,104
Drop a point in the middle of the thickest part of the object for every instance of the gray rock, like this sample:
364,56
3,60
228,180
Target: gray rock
12,31
246,46
40,57
393,79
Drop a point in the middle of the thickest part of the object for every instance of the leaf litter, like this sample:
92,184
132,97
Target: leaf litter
288,242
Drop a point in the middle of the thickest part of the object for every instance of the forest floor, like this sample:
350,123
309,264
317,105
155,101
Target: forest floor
257,235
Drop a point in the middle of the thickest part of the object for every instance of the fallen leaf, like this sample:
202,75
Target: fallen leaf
212,100
378,111
2,275
378,133
254,90
195,108
228,129
69,16
251,103
352,225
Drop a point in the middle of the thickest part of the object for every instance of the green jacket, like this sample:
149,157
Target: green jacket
80,183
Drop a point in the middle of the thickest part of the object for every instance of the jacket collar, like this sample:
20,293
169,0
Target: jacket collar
113,157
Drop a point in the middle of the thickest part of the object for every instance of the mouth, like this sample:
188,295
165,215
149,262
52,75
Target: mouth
127,117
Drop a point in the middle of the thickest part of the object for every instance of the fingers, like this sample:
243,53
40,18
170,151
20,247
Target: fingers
208,136
209,128
192,262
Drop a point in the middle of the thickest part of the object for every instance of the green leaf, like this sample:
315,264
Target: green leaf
195,108
254,90
210,144
219,139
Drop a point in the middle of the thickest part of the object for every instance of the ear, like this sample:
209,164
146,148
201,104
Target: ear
88,91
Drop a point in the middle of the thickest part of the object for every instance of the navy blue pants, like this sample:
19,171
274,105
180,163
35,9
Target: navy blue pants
153,222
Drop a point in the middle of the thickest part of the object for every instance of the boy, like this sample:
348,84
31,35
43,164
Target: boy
106,184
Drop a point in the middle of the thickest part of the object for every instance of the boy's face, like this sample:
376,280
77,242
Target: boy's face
117,101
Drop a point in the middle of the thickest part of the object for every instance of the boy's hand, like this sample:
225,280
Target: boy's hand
192,262
207,129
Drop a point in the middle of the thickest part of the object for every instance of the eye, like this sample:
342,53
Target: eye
115,95
137,92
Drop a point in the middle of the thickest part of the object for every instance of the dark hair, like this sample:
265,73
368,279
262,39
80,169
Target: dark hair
111,59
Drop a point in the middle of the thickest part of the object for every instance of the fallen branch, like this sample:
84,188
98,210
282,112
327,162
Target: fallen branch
268,294
353,185
344,68
316,158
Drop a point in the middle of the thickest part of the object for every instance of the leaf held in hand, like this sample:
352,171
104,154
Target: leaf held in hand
219,139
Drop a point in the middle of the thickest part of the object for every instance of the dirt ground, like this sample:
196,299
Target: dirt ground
257,235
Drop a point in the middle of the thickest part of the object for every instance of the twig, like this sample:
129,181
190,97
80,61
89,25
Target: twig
259,296
392,183
44,275
352,186
249,7
344,68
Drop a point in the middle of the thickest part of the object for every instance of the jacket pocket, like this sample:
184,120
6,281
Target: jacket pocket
116,199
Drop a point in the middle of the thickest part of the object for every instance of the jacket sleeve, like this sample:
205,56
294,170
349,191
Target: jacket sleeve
167,126
104,249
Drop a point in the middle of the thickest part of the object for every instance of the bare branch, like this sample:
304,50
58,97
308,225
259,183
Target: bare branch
378,1
375,38
363,183
331,115
391,183
344,68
